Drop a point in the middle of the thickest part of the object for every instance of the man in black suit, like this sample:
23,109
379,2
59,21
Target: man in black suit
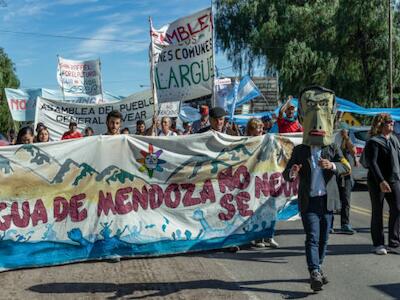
317,162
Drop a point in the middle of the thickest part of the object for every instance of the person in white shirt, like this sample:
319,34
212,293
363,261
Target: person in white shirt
166,127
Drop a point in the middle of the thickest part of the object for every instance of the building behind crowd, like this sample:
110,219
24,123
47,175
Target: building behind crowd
268,86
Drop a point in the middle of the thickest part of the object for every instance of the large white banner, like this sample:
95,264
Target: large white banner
57,115
183,58
80,98
79,76
22,102
126,196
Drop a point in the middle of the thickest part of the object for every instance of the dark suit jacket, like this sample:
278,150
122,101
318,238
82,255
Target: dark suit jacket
302,155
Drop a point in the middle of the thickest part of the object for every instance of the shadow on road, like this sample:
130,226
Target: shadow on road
277,256
392,289
162,289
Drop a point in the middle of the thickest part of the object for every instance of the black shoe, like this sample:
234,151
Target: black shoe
324,277
316,281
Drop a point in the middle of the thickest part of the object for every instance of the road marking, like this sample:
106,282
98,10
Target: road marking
367,212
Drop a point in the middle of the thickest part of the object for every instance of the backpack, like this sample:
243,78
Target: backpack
365,155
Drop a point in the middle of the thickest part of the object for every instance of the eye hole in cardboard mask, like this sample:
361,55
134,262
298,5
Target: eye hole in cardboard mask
324,103
311,103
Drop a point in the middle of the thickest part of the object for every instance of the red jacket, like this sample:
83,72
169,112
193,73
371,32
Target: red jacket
74,135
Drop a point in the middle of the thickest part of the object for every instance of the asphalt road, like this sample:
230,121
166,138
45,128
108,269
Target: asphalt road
354,272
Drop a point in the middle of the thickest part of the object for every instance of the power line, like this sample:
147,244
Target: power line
73,37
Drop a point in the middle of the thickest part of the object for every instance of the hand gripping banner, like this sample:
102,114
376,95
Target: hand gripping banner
129,196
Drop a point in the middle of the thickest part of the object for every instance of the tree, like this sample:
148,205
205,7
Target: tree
341,44
8,79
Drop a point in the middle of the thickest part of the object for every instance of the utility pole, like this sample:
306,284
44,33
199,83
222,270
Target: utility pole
390,57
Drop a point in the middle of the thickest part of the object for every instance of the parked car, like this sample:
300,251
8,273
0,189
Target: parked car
358,136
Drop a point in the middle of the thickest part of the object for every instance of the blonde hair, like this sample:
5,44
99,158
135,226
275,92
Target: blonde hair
252,124
378,122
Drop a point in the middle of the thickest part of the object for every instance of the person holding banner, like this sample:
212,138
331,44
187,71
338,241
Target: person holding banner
255,128
114,122
317,162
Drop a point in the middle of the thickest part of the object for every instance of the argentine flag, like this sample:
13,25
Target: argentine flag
246,91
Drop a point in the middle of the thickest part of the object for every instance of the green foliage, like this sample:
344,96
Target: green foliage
8,79
341,44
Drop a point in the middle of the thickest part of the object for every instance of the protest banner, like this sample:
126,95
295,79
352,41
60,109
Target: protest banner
223,91
79,76
126,196
57,115
107,97
169,109
183,57
22,103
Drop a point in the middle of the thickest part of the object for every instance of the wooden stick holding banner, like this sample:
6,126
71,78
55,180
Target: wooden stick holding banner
62,82
213,101
101,82
153,86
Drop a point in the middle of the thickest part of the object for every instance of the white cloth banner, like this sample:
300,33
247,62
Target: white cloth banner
132,196
107,97
79,76
22,102
183,58
57,115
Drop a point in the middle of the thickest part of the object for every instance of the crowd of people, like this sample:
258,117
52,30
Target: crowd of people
211,119
318,181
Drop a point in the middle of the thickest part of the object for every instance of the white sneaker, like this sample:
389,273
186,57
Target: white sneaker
258,243
381,250
271,242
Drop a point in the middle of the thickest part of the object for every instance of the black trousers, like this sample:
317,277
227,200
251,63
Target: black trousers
393,200
345,185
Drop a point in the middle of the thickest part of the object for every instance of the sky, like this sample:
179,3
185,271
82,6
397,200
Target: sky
124,60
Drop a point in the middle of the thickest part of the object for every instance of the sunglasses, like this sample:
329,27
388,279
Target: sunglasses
389,122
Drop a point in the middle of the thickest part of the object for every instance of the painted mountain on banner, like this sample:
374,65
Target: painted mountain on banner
71,168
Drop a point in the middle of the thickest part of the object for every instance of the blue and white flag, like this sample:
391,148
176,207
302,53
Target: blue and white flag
246,91
232,107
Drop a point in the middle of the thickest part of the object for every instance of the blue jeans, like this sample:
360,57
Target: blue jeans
317,221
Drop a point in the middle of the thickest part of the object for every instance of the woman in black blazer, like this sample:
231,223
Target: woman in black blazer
382,153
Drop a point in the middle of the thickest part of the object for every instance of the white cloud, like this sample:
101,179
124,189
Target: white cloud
24,62
92,10
98,44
